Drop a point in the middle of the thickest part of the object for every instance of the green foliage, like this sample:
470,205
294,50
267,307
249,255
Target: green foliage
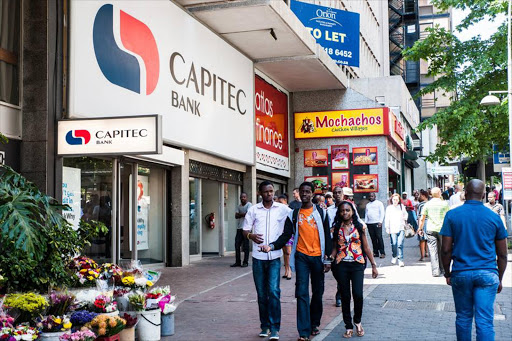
3,139
37,243
468,69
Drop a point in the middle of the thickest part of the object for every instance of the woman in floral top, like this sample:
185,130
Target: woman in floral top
350,250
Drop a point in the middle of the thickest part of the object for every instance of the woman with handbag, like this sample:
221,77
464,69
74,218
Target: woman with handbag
396,218
350,250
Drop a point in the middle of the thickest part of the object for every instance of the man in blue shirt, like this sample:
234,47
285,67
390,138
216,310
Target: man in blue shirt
472,237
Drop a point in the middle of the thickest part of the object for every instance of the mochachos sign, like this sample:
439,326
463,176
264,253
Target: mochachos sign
137,57
106,136
335,30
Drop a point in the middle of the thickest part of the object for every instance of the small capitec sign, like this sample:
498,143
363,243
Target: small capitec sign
107,136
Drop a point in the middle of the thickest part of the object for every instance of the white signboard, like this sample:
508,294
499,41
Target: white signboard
136,57
71,184
444,170
132,135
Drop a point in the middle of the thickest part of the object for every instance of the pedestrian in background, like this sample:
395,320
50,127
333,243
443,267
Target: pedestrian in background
495,206
331,214
434,211
329,199
264,222
473,238
240,241
350,250
423,198
374,218
396,216
455,199
296,202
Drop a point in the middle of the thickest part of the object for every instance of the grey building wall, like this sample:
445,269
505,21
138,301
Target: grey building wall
338,100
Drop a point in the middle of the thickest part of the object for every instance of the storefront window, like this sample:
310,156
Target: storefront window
231,201
195,214
87,188
9,48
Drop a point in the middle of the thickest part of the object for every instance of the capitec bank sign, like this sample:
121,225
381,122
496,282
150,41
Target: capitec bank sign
335,30
137,57
125,136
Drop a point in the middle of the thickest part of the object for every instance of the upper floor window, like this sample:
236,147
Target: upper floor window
10,51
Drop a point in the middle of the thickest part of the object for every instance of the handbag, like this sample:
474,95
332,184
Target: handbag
409,231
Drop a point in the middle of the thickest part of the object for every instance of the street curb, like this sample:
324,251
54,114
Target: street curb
338,319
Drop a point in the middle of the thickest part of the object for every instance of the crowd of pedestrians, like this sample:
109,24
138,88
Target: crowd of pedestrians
318,233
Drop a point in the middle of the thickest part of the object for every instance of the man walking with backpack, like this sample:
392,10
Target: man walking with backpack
310,258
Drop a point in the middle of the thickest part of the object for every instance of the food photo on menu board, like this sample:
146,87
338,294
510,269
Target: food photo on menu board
364,156
341,179
316,157
339,157
366,183
321,183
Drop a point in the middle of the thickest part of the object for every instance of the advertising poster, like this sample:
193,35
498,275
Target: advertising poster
271,108
341,179
71,184
337,31
364,156
340,157
321,183
316,157
143,201
342,123
366,183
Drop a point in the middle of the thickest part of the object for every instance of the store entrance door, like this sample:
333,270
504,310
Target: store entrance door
210,204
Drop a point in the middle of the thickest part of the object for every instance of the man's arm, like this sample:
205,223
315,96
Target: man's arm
446,257
382,211
285,236
501,252
422,222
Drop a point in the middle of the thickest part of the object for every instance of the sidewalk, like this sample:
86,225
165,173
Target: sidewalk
217,302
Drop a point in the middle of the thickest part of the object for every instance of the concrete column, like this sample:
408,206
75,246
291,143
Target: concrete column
249,183
180,211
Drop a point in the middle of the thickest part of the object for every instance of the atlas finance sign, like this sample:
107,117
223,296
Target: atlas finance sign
271,107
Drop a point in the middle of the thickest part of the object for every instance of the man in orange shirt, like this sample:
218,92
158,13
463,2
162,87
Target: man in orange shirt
309,258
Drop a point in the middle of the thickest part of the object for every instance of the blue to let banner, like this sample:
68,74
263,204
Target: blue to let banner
500,157
335,30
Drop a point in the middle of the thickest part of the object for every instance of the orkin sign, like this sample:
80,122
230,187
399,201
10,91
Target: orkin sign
107,136
271,106
133,57
343,123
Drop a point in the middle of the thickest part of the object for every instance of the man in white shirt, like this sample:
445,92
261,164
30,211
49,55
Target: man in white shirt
455,198
374,217
264,223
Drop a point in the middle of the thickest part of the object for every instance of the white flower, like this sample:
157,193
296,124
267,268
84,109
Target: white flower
26,337
169,308
141,282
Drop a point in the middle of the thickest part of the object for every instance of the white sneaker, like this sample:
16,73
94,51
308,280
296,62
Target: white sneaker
401,263
393,260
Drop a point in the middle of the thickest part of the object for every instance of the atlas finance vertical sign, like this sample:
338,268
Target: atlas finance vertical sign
130,58
271,107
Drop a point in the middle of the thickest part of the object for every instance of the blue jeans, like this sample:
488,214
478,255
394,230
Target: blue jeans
308,315
397,243
474,292
266,274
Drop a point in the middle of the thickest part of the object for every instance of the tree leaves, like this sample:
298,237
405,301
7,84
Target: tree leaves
469,70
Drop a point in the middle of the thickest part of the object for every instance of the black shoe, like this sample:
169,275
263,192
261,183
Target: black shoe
338,302
235,265
245,265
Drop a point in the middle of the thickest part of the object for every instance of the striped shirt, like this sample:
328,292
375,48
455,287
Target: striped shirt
435,210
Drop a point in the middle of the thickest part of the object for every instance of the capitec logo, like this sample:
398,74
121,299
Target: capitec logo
118,66
77,137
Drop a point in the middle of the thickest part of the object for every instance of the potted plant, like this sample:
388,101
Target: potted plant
29,305
107,327
53,327
81,335
128,333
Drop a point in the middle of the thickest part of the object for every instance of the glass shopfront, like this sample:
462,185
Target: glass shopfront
128,197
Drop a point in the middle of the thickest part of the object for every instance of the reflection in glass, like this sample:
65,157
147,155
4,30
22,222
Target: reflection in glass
194,233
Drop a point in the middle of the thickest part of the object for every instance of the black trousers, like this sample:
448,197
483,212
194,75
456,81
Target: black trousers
240,241
376,236
347,273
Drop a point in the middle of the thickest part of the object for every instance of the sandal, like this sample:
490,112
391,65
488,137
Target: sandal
359,329
348,334
303,338
315,331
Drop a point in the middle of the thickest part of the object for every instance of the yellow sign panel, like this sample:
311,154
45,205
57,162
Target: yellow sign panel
360,122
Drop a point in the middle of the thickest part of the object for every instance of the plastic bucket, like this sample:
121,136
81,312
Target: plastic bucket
52,336
127,334
148,327
167,328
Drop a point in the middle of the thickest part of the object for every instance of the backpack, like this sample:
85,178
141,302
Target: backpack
295,216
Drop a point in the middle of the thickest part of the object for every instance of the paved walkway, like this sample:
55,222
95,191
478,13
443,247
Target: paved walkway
219,303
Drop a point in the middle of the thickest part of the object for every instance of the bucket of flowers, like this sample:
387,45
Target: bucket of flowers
121,297
85,270
6,320
81,335
60,303
27,306
128,333
137,300
111,271
25,332
107,328
53,327
104,304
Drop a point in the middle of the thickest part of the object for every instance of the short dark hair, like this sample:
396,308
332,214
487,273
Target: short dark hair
263,184
283,196
243,193
296,189
328,195
309,184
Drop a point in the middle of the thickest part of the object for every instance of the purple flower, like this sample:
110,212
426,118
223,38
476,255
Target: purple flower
82,317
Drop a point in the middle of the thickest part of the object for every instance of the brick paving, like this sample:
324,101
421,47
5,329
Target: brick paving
217,302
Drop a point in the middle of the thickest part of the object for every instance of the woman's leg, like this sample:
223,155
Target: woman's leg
400,242
286,251
357,290
422,249
345,274
394,239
